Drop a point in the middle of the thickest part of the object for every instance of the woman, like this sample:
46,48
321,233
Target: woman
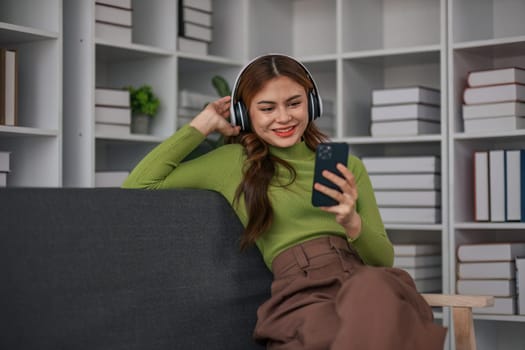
333,286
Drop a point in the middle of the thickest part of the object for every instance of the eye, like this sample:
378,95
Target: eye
266,109
294,104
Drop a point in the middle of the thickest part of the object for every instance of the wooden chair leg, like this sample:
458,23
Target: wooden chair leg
465,338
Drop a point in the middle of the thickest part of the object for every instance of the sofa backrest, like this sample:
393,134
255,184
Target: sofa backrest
125,269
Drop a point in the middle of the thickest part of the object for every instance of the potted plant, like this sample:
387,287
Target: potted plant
144,106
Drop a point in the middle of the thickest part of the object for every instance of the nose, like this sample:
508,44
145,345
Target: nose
282,115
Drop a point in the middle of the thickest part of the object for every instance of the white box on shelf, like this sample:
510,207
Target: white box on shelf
515,185
497,185
112,97
502,306
3,179
5,164
405,181
490,251
497,288
193,99
125,4
195,31
417,261
486,270
196,16
402,164
203,5
406,111
416,249
113,115
496,76
410,215
109,130
491,110
405,128
496,124
8,87
404,198
112,32
494,94
481,186
110,178
412,94
192,46
113,15
423,272
520,283
431,285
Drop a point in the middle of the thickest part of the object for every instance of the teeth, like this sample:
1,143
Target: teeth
284,130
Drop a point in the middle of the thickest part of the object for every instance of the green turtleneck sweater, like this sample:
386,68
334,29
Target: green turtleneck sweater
295,219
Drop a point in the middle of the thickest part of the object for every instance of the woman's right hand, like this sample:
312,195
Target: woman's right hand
215,117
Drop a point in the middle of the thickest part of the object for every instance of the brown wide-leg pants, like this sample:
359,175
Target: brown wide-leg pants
324,297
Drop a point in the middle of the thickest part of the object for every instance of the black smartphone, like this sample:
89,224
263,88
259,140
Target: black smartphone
327,155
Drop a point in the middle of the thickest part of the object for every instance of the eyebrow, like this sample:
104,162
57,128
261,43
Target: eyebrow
288,100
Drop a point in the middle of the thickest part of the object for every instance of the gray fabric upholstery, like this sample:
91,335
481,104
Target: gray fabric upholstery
125,269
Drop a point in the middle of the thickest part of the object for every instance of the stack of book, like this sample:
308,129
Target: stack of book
113,21
110,178
494,100
195,26
112,112
422,262
326,123
490,269
499,185
8,86
191,103
5,167
407,188
407,111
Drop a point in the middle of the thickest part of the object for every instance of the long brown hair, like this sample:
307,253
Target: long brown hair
260,165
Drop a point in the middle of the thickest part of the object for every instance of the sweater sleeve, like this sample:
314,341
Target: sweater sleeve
373,244
162,168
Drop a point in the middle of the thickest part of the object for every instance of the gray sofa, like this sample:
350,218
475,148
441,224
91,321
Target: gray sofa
125,269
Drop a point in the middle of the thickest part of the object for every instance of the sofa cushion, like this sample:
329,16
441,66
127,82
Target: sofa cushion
125,269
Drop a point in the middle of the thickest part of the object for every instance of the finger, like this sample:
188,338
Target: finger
330,192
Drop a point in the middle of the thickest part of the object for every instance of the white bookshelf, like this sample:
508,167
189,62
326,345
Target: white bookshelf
482,35
34,29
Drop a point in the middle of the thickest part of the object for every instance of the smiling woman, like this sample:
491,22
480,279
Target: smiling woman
333,287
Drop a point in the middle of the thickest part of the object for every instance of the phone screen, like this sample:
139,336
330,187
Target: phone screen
327,155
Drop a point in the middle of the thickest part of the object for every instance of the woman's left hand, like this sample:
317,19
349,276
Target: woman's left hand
345,212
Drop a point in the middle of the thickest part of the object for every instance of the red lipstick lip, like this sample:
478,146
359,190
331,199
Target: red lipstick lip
285,133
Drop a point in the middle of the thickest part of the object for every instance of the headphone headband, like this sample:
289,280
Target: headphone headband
238,111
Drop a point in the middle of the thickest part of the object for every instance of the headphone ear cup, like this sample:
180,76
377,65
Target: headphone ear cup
241,116
314,109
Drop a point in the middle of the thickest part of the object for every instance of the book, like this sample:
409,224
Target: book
494,93
491,110
203,5
515,185
5,164
113,15
502,306
481,186
520,284
8,86
196,16
486,270
193,99
405,181
110,178
113,115
497,288
405,128
426,198
113,32
195,31
112,130
192,46
416,249
496,76
125,4
495,124
402,164
417,261
478,252
403,95
428,285
406,111
3,179
112,97
497,185
410,215
420,273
